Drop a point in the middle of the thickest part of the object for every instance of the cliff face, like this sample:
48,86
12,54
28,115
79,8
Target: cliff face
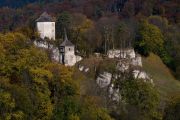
129,64
118,65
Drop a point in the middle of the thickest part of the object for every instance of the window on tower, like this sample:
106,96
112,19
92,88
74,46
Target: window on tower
62,49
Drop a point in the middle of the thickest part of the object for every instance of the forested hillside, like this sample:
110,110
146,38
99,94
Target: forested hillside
21,3
33,86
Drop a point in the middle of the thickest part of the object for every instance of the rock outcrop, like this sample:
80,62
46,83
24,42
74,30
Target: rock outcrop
128,61
104,80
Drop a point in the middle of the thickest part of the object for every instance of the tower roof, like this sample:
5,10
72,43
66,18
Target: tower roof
66,42
45,17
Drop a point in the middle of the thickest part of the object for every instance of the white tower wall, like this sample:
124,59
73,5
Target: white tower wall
46,29
69,56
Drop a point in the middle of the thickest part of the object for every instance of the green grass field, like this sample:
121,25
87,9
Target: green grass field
163,79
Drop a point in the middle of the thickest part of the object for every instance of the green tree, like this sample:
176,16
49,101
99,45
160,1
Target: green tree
139,98
7,107
27,79
79,28
67,108
92,111
150,39
63,22
64,92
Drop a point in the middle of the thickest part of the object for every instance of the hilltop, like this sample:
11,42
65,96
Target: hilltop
89,60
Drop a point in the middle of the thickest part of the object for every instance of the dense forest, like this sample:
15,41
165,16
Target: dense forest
34,87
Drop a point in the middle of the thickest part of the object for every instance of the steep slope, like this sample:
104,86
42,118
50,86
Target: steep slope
163,79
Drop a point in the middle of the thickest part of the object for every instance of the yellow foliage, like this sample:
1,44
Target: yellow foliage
64,73
6,100
39,74
81,23
31,58
87,24
19,115
2,53
74,117
11,40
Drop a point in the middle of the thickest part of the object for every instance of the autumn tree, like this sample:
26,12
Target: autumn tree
139,98
149,39
7,107
125,35
106,26
160,22
24,65
63,22
172,108
80,26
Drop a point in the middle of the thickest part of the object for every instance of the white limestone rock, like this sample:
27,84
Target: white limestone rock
126,53
114,93
140,74
41,44
137,61
55,54
104,79
97,54
86,70
78,58
123,66
116,96
81,68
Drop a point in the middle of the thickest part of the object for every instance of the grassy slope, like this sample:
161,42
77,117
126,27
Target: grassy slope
163,79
